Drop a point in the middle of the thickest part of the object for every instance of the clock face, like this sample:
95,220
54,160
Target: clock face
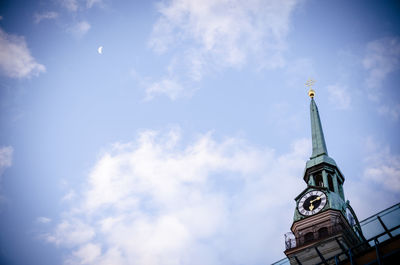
312,202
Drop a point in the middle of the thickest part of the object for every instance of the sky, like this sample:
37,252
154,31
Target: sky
185,140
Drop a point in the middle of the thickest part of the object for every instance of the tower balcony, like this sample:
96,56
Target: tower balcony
315,234
381,242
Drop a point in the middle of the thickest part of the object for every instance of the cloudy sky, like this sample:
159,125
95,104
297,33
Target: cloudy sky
185,140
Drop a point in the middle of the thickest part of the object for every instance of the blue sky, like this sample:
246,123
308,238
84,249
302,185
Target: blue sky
185,141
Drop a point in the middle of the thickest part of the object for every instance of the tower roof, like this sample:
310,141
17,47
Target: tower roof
318,139
319,150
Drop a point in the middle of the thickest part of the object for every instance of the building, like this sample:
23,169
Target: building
325,228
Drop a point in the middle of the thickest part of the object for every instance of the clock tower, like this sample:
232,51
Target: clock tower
324,223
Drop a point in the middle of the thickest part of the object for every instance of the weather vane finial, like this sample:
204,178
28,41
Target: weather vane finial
310,82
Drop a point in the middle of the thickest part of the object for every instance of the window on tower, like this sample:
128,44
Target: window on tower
330,183
322,232
308,237
318,180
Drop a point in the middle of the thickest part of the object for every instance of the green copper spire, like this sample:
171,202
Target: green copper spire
318,140
320,153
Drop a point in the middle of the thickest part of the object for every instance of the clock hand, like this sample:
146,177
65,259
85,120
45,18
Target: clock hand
318,198
311,207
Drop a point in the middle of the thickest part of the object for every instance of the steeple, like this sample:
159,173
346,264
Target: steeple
318,140
321,223
319,150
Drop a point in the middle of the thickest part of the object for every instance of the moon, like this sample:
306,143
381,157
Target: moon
100,50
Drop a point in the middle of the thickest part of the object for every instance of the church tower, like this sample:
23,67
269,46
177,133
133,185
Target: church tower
324,223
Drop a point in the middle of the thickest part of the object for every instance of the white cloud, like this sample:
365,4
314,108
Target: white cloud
87,254
339,95
212,34
382,58
167,86
80,28
154,201
228,29
45,15
6,154
71,232
43,220
16,60
383,167
392,111
91,3
377,186
71,5
69,196
74,5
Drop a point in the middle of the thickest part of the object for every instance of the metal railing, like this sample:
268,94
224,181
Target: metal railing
372,242
381,222
317,233
377,228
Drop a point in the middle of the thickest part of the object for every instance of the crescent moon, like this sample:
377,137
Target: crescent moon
100,50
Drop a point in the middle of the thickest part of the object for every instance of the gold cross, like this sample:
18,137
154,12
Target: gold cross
310,82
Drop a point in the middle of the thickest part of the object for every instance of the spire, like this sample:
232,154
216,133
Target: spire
320,153
318,140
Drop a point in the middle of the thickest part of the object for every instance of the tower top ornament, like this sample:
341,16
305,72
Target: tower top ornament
310,82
